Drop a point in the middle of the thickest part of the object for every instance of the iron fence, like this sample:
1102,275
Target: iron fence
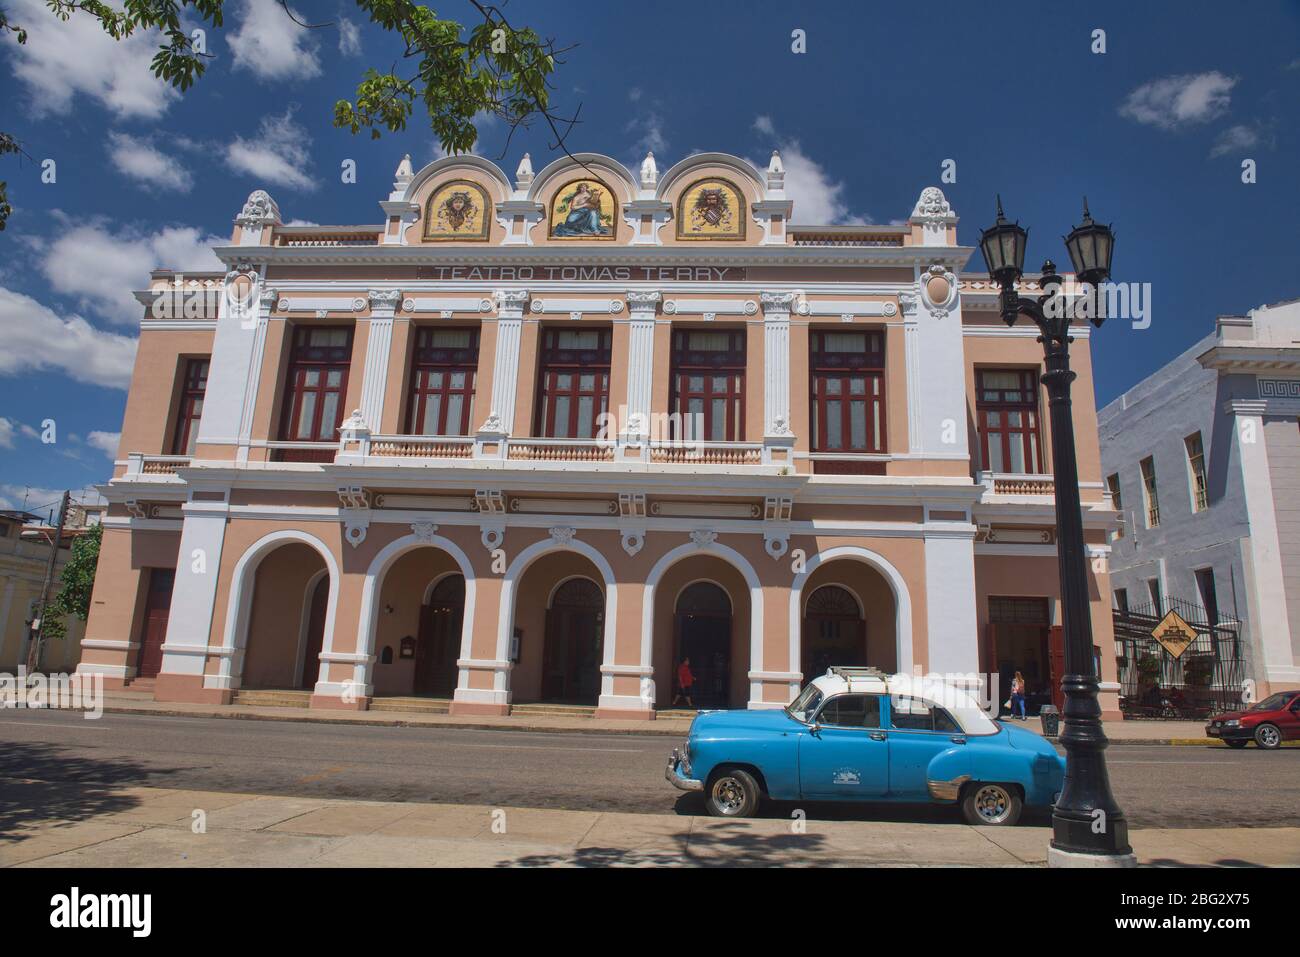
1207,677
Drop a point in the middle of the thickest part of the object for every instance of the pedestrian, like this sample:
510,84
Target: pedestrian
685,682
1018,696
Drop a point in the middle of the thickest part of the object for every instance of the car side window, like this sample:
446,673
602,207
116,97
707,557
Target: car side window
913,714
851,711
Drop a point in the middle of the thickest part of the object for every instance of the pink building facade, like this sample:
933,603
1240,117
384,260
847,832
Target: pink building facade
541,440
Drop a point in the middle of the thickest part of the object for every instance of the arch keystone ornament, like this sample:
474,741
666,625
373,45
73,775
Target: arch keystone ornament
423,531
563,534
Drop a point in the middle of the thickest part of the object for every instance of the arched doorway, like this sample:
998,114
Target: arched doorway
438,647
575,624
834,631
286,618
314,630
703,635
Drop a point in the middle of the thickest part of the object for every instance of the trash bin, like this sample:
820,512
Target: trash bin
1051,720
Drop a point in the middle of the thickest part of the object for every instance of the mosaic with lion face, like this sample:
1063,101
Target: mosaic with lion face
458,210
711,209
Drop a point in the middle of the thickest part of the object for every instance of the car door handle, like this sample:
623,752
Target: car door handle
958,739
877,736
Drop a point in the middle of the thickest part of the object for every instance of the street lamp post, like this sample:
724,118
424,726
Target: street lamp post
1088,827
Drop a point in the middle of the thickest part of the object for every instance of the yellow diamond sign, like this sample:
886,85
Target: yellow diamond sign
1174,634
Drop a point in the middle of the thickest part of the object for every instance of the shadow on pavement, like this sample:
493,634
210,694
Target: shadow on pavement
42,784
733,847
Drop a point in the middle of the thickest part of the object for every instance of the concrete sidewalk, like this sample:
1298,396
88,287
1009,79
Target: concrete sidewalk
154,827
1119,732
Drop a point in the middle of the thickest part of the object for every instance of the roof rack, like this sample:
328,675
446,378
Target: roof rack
855,671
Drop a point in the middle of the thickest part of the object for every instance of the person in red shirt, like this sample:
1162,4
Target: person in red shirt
685,681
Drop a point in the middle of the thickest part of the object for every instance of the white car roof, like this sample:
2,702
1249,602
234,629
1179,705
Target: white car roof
952,695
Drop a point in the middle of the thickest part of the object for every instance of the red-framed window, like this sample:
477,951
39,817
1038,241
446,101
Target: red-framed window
316,383
1006,408
443,369
847,379
194,383
708,385
573,383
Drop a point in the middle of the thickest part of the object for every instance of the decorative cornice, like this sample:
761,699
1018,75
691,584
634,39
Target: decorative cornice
955,257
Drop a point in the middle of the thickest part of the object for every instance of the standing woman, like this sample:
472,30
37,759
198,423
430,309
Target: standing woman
1018,696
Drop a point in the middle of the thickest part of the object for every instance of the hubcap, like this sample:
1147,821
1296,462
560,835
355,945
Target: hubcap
728,795
1268,736
992,804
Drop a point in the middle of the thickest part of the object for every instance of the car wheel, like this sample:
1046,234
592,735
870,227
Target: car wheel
733,793
997,805
1268,737
1236,744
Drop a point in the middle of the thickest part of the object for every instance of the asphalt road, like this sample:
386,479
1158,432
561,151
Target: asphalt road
1156,786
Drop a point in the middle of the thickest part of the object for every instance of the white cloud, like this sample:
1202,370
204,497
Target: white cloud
277,155
61,59
106,442
268,43
7,428
634,94
145,162
1172,102
349,38
100,268
36,339
1243,136
818,198
650,127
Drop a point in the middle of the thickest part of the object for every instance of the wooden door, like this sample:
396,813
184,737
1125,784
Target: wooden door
153,631
315,633
1056,660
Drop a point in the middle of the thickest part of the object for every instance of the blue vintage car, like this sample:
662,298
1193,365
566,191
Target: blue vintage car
856,734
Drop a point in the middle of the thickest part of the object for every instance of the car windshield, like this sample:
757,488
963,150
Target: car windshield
1271,703
804,707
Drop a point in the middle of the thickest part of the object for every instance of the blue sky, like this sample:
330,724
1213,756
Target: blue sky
1153,131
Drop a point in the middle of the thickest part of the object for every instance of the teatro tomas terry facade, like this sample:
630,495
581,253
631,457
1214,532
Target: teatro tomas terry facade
541,440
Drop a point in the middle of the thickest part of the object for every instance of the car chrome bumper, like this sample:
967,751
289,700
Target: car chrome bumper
947,790
678,771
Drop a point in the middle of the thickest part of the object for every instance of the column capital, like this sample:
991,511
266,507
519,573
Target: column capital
642,302
778,305
511,301
383,302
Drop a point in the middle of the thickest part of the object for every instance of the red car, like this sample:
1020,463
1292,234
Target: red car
1268,724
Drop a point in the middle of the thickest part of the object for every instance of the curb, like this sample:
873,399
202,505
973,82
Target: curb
397,722
642,729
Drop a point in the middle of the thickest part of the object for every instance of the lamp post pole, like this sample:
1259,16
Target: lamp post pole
1088,827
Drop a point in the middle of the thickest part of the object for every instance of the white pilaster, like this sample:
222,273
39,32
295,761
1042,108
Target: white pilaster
374,381
951,620
776,362
936,365
641,366
505,370
194,594
235,366
1266,600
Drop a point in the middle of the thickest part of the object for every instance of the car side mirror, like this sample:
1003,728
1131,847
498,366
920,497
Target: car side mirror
814,728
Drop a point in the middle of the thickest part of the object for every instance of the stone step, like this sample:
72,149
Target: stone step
542,707
411,704
272,699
